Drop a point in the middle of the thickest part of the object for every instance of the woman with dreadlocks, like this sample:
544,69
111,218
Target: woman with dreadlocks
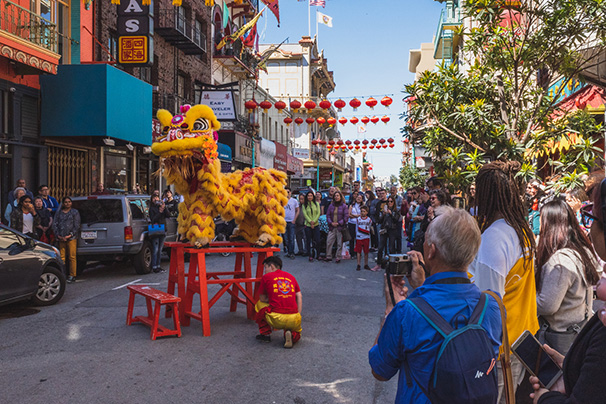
505,260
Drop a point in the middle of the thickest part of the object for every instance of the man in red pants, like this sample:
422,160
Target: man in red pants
280,303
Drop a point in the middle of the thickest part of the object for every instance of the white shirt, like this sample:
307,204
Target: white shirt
28,223
355,210
363,228
290,210
499,251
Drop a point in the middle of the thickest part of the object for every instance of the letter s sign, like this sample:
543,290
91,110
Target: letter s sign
132,26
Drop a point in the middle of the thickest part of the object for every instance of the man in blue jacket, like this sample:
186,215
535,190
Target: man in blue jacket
451,243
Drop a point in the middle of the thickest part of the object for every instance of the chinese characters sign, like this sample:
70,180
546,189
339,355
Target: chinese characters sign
135,43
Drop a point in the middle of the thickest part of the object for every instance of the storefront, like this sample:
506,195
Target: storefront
281,157
294,169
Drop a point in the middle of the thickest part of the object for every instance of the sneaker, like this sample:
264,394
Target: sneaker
292,256
366,267
263,338
288,339
71,279
358,268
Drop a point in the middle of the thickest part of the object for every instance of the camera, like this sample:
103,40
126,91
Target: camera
397,264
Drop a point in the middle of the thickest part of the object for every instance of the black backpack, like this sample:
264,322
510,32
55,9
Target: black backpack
465,370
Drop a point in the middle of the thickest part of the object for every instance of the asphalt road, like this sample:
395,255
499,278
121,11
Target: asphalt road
81,351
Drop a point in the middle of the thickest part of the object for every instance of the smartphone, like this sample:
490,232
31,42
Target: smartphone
536,360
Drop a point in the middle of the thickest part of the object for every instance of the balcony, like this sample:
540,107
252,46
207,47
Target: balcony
234,59
446,40
175,28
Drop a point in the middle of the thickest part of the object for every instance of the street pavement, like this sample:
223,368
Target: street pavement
81,351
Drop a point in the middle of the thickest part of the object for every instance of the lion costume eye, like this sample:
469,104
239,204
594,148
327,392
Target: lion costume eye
201,125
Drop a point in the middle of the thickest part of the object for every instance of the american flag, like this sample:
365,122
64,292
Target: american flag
317,3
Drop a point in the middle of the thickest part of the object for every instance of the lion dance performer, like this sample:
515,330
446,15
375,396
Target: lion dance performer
255,197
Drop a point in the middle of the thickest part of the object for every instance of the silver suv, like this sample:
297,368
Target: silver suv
115,227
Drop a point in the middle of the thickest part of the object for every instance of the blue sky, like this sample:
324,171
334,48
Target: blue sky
367,49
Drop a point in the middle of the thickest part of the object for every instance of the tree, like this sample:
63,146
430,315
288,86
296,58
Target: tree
411,177
500,106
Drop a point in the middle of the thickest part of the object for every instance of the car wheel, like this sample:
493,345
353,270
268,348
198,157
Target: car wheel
51,287
80,265
142,260
221,237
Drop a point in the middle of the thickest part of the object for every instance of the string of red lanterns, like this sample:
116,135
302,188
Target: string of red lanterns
310,105
339,144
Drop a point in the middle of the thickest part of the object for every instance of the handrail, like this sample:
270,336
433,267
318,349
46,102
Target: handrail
170,18
21,22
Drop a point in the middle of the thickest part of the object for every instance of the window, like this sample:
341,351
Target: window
181,86
99,210
112,47
57,13
181,19
145,74
197,93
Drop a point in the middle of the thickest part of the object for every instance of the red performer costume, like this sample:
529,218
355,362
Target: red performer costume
279,304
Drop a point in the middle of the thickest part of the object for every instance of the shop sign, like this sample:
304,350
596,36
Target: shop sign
156,129
567,89
222,103
301,153
243,152
224,152
135,31
281,158
420,162
294,165
267,152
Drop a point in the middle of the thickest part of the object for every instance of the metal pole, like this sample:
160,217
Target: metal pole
318,171
332,183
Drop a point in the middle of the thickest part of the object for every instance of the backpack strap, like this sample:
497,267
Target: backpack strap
431,315
478,313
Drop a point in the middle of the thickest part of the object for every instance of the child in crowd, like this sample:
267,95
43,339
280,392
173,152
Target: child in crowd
279,304
363,226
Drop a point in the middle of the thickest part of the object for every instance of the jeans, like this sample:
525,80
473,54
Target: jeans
157,243
312,237
289,238
300,236
352,243
67,249
388,243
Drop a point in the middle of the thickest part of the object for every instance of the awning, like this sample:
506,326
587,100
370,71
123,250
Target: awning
96,100
224,152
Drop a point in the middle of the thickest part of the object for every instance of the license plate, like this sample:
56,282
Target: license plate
88,235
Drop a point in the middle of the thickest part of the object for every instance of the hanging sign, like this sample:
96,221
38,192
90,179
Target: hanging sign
221,102
135,30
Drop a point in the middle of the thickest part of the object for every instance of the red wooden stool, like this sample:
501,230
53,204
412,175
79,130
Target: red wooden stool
176,271
153,315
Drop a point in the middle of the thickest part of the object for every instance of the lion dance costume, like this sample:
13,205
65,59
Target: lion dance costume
255,197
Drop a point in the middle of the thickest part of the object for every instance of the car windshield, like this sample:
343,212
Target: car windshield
99,210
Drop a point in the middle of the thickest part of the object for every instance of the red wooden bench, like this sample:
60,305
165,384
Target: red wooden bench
160,298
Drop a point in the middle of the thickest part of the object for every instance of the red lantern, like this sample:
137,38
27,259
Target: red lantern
299,121
322,142
250,105
288,121
342,120
339,142
340,104
364,146
390,140
386,101
381,141
280,105
354,120
406,140
325,104
374,120
295,105
357,147
385,119
372,146
343,147
321,120
365,120
392,145
310,120
364,141
369,167
333,152
371,102
355,103
350,147
356,142
385,146
329,146
310,105
331,142
348,142
374,141
315,142
331,121
265,105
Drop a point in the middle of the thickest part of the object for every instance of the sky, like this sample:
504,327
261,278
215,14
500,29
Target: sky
368,50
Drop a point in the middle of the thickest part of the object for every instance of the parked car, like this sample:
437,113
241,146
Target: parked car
29,269
115,227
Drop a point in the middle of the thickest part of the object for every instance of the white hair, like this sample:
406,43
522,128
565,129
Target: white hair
456,235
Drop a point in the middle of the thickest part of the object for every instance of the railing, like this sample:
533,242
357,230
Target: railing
170,18
451,15
21,22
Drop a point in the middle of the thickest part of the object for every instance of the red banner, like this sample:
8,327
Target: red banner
274,7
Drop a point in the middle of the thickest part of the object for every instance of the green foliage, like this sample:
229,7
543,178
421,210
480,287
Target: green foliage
499,107
412,177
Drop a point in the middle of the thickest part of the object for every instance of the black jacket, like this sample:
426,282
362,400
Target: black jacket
584,368
156,216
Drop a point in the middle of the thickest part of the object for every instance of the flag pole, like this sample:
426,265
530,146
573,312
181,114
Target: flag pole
309,18
317,36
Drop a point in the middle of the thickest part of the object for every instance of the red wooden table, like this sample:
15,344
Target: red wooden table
240,280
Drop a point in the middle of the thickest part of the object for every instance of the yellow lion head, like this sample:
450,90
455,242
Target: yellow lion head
193,132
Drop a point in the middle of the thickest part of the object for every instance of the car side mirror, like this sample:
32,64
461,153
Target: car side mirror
30,243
